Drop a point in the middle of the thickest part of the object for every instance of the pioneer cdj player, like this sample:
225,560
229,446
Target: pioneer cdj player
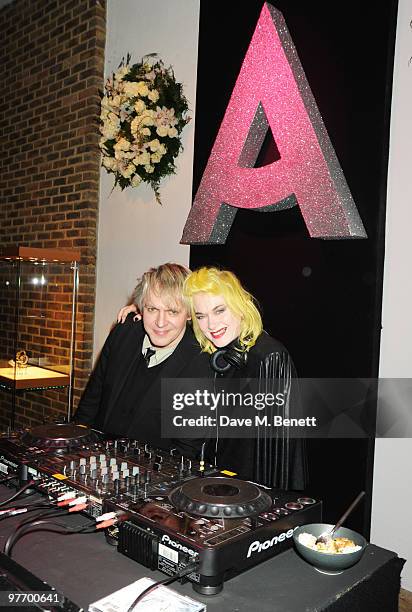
171,514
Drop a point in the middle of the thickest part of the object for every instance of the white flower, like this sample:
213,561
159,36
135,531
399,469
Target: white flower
127,171
122,144
165,116
172,132
161,131
155,158
110,130
147,120
109,163
153,95
139,106
131,88
121,73
105,103
135,125
149,169
136,180
142,159
154,144
115,101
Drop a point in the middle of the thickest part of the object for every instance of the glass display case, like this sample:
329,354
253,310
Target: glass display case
37,333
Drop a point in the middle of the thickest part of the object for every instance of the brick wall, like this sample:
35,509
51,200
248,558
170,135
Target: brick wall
51,71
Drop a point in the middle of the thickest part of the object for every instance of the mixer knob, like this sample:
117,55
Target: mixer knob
82,461
136,451
173,451
148,454
159,459
104,470
115,475
102,458
214,510
135,470
157,467
112,461
293,506
82,469
146,448
125,473
92,459
227,511
240,510
123,465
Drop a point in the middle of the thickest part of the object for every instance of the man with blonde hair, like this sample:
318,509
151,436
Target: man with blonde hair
123,395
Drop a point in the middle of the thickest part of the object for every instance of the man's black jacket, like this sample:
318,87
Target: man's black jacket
118,356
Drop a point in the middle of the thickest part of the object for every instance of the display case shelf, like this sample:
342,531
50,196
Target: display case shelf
37,319
32,377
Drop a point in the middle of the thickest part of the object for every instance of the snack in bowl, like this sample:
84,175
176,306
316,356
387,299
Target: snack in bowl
333,546
344,550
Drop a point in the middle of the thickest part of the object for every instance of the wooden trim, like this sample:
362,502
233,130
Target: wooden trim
37,254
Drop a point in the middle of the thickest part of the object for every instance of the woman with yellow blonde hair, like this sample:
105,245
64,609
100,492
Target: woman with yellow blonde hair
227,324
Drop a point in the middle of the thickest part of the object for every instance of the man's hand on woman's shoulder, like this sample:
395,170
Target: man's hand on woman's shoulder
123,312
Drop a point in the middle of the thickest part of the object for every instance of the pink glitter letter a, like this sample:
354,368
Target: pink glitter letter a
272,90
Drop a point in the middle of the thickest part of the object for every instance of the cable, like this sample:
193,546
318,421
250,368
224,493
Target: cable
29,507
19,492
8,478
188,570
28,526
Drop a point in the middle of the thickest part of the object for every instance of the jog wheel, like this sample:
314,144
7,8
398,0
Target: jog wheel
219,497
60,437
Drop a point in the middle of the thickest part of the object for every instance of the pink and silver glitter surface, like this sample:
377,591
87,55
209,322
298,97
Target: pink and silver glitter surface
272,90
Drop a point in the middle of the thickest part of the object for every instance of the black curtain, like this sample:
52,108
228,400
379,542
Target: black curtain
321,298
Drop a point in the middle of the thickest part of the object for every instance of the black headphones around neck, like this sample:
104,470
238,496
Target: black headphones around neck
232,355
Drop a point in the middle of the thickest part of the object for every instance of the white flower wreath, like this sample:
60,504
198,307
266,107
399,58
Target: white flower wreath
143,112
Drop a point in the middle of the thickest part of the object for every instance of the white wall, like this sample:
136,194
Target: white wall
134,232
392,493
